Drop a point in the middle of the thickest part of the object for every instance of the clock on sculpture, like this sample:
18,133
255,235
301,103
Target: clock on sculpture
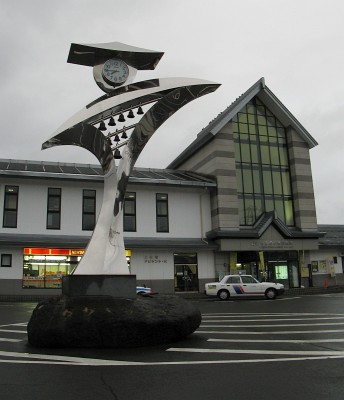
115,72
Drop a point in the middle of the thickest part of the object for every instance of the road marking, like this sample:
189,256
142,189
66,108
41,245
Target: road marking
12,331
244,315
270,332
18,324
270,352
58,360
289,298
269,320
10,340
277,341
267,326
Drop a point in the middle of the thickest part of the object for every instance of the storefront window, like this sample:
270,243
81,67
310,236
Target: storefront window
45,270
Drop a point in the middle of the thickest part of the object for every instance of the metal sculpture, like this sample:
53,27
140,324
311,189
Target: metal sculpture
105,253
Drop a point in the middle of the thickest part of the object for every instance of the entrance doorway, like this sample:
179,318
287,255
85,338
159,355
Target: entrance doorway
185,272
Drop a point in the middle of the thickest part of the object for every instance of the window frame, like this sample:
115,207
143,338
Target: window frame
6,210
3,264
87,214
162,216
54,212
129,216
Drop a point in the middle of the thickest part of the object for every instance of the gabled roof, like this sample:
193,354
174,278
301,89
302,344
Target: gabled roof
266,220
266,96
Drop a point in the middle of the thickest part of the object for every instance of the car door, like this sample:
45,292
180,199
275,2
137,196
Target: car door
233,285
251,286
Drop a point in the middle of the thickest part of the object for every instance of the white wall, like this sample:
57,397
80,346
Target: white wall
184,212
327,255
16,271
32,205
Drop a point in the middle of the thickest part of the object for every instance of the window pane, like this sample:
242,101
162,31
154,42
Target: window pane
279,207
267,182
247,175
256,181
10,219
283,155
274,155
289,215
269,204
89,205
11,201
245,153
162,224
88,222
53,221
161,208
54,204
243,128
254,153
54,192
129,223
6,260
249,209
264,153
129,207
258,206
276,177
286,183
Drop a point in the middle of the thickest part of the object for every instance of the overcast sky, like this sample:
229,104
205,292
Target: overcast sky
296,45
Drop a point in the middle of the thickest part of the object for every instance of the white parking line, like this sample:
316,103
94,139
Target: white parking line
10,340
209,319
56,360
12,331
270,332
298,341
270,352
268,326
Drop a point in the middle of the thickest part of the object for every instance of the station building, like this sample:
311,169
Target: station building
238,199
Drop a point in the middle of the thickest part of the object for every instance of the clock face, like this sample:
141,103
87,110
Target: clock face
115,71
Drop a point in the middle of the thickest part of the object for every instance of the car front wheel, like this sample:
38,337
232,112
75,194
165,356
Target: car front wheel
223,294
271,294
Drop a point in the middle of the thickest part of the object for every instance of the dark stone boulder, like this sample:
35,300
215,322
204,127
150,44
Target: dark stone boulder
104,321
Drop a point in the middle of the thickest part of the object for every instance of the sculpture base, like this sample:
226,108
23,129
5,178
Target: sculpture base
101,321
99,285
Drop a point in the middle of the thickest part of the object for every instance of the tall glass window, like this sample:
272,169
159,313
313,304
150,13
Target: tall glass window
88,210
162,212
10,207
129,213
54,208
262,166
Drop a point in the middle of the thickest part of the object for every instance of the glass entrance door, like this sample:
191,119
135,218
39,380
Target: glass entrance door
185,272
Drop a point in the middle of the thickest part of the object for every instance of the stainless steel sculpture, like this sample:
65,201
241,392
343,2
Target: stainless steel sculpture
105,253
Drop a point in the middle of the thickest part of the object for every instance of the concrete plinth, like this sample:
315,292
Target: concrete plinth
99,285
101,321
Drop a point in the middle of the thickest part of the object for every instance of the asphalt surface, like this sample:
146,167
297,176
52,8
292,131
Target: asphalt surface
289,348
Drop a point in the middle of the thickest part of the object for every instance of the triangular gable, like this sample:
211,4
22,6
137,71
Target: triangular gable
266,96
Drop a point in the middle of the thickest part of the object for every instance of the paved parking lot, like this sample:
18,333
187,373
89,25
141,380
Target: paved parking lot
294,341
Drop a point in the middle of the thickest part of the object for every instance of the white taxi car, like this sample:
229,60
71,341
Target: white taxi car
243,286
